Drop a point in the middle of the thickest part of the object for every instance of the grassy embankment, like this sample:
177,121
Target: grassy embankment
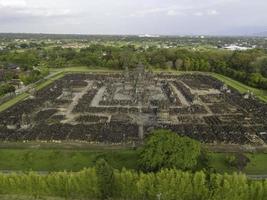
261,94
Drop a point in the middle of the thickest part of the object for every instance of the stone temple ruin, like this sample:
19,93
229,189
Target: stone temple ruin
125,107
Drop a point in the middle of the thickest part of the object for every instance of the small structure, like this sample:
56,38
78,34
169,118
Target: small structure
25,121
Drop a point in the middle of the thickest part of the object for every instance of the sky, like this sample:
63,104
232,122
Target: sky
159,17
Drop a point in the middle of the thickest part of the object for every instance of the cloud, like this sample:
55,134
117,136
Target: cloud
12,4
25,9
129,16
212,12
172,13
198,14
206,13
142,13
42,12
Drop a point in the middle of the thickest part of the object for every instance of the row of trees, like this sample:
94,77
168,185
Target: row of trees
104,183
249,66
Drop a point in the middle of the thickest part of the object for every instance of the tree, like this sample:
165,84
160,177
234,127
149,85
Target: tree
165,149
105,179
6,88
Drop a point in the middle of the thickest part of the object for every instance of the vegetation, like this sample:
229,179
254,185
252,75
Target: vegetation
248,66
60,160
256,165
242,88
113,174
165,149
165,184
105,179
75,160
13,101
6,88
238,161
33,76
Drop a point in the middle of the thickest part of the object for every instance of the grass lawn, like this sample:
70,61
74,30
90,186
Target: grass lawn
59,160
256,166
75,160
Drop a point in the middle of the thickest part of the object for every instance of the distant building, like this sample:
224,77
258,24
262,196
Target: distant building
236,48
148,36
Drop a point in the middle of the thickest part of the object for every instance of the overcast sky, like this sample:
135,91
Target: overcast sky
168,17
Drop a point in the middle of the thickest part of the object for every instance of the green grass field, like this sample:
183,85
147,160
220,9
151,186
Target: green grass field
60,160
75,160
256,166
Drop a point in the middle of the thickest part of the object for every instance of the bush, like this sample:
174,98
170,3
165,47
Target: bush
6,88
237,160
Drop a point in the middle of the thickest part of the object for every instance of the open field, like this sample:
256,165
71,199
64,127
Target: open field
59,160
256,166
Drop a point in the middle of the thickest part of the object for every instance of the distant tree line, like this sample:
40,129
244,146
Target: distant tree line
249,67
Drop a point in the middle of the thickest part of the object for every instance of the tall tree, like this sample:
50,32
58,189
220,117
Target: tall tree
105,179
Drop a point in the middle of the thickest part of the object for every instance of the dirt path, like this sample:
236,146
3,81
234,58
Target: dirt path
68,115
179,95
98,97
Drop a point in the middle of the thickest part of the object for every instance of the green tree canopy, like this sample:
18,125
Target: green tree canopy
105,179
165,149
